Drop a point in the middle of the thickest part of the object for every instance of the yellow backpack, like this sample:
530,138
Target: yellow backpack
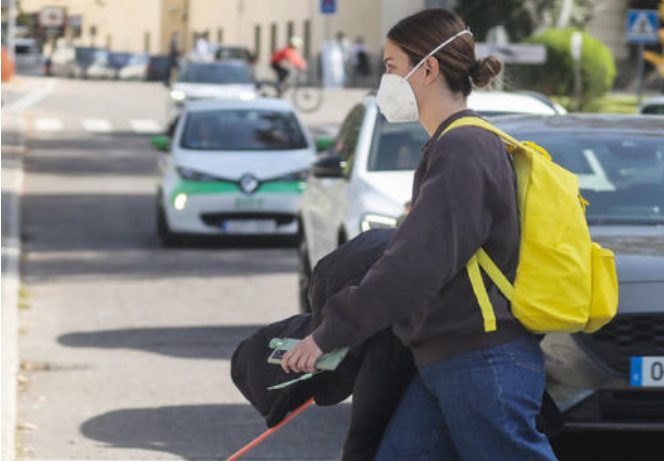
564,281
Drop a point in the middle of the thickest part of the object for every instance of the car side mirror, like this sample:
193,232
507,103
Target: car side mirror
161,142
328,166
324,143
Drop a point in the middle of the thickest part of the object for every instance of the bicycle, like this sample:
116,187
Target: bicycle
305,97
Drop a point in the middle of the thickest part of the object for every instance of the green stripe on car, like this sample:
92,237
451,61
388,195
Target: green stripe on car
220,187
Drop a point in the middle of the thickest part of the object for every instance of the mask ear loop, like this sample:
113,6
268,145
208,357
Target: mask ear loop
435,50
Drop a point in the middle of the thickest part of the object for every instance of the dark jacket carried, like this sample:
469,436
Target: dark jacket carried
376,373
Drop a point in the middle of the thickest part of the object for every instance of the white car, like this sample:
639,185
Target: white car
653,106
230,79
235,168
366,179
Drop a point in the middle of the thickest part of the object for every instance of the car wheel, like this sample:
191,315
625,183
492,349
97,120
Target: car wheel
167,237
304,277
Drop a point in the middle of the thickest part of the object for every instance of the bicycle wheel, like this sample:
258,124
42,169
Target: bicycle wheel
307,98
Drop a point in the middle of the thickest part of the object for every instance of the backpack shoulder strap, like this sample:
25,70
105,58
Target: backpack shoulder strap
481,123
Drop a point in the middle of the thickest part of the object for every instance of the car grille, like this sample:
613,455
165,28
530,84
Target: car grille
217,219
633,406
624,337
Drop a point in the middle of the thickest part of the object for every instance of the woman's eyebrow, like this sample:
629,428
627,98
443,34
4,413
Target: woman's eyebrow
389,58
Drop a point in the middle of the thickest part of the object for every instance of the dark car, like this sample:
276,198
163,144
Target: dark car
158,68
117,61
613,378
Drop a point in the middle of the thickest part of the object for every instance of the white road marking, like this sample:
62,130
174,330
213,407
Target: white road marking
30,99
97,125
48,124
143,125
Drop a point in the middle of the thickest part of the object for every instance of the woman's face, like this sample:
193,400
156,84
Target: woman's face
397,62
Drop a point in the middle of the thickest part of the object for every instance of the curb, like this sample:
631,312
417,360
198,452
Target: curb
12,188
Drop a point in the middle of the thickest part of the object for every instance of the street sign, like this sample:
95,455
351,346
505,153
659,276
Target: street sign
52,16
642,26
513,53
328,6
576,46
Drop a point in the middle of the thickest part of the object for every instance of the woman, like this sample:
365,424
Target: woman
476,393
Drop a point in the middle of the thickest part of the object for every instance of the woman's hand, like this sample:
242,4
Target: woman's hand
302,357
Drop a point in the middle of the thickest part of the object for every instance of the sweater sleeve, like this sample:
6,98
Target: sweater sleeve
449,221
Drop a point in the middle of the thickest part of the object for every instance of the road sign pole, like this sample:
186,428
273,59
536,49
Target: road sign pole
639,72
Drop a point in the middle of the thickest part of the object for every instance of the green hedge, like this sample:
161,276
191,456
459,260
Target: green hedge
556,76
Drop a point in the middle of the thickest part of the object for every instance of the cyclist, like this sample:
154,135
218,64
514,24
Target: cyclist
288,55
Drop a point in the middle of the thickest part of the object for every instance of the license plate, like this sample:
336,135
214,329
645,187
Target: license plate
247,226
646,372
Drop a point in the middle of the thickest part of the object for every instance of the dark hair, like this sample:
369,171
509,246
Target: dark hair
417,35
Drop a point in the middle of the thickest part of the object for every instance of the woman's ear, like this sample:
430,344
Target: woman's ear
431,69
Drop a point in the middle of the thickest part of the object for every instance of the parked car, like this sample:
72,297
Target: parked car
27,56
366,179
218,80
235,167
102,67
74,62
158,68
653,106
136,68
118,61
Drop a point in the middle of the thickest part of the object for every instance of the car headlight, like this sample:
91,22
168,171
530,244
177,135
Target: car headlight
376,221
178,95
193,175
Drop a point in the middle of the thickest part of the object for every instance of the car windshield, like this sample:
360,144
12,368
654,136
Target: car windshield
215,73
232,53
396,146
86,55
654,109
621,175
242,130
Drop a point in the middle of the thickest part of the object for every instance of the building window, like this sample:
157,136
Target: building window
257,41
273,37
220,36
307,39
146,42
290,30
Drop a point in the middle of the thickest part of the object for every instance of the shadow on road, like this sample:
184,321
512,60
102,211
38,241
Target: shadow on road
183,342
207,432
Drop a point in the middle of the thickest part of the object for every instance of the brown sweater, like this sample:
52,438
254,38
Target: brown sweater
464,198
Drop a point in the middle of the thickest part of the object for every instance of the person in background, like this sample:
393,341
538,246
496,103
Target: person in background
202,48
287,57
360,58
173,56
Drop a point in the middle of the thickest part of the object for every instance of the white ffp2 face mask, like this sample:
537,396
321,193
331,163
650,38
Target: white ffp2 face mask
396,99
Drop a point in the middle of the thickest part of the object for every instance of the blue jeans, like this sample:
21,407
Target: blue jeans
477,406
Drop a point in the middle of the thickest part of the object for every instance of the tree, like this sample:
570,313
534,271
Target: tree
522,18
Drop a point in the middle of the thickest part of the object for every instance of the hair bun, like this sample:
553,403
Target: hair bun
485,70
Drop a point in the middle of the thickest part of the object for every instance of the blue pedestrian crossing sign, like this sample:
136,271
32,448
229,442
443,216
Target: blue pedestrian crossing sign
642,26
328,6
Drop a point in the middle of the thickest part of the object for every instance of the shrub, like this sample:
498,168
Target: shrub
556,76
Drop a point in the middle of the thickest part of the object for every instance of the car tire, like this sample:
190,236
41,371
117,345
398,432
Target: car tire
167,237
303,277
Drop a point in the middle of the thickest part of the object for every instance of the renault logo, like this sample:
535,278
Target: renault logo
249,183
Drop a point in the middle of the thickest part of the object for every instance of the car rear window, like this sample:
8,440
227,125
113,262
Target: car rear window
215,73
242,130
620,174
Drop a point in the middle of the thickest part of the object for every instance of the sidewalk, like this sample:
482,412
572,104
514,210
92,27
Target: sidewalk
12,183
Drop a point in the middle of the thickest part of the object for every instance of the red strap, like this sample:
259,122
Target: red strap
257,441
